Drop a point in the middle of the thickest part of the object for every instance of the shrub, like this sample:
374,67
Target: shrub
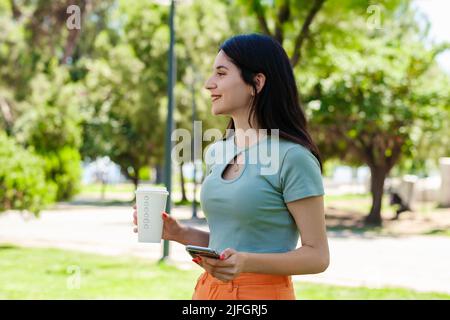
22,178
63,170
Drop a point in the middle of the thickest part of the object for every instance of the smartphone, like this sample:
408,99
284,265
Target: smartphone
195,251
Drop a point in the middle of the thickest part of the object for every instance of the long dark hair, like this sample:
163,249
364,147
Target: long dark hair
277,105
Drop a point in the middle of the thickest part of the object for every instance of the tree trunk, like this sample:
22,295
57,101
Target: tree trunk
378,175
17,13
354,175
6,113
183,190
135,180
103,189
159,174
73,36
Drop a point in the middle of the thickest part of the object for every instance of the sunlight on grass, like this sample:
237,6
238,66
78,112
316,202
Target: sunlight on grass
109,188
29,273
96,188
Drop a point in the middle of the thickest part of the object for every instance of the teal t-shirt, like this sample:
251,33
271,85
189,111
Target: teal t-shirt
248,213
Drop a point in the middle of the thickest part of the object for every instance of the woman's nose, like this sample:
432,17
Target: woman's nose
209,85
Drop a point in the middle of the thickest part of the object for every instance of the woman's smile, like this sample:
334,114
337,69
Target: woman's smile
215,97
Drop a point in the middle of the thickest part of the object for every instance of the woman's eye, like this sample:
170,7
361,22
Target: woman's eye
221,74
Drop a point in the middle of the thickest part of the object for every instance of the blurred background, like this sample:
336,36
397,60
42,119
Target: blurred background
84,100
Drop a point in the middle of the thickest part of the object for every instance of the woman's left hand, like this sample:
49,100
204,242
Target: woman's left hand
230,265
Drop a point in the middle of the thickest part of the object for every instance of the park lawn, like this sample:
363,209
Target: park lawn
353,202
96,188
439,232
31,273
357,203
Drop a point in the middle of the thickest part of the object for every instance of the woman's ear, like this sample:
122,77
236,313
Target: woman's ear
260,80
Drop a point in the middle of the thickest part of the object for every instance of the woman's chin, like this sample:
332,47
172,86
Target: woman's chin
216,111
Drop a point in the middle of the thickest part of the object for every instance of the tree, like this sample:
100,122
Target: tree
295,23
344,55
39,100
284,14
375,96
50,123
126,84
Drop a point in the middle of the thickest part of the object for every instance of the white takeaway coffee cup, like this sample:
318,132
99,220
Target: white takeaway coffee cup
150,204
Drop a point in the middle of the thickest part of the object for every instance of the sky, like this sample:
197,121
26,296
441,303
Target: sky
438,12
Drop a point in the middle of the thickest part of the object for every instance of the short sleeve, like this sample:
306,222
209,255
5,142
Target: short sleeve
300,175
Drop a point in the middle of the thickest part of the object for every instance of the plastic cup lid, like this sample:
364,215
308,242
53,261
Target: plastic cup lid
146,188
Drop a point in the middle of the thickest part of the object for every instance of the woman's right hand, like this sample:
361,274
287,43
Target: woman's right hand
172,229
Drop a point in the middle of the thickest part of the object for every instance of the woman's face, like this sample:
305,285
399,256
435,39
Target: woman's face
230,95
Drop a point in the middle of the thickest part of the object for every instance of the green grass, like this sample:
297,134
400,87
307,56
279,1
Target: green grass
186,203
356,203
51,274
349,196
117,188
439,232
109,188
29,273
322,292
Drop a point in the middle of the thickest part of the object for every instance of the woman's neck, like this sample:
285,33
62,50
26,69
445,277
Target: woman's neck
244,135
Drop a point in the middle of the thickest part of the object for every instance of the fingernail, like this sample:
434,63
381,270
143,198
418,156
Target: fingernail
222,257
195,260
199,259
165,215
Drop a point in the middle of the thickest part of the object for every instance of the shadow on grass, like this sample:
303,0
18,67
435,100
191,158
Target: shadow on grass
186,203
347,223
341,223
438,232
6,246
343,231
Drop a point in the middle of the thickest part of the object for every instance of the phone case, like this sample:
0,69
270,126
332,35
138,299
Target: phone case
203,252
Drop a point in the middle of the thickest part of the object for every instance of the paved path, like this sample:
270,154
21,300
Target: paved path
421,262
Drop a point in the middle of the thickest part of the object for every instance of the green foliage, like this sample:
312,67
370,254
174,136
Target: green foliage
127,80
63,170
22,178
50,117
382,92
285,21
144,173
110,97
126,83
50,122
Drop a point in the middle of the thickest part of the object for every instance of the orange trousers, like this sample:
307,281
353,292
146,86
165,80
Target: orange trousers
247,286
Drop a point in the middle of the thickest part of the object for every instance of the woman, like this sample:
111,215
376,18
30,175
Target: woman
255,219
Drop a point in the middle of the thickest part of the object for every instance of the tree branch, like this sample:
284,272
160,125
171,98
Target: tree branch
396,153
73,36
303,34
263,22
356,145
283,15
15,10
6,112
